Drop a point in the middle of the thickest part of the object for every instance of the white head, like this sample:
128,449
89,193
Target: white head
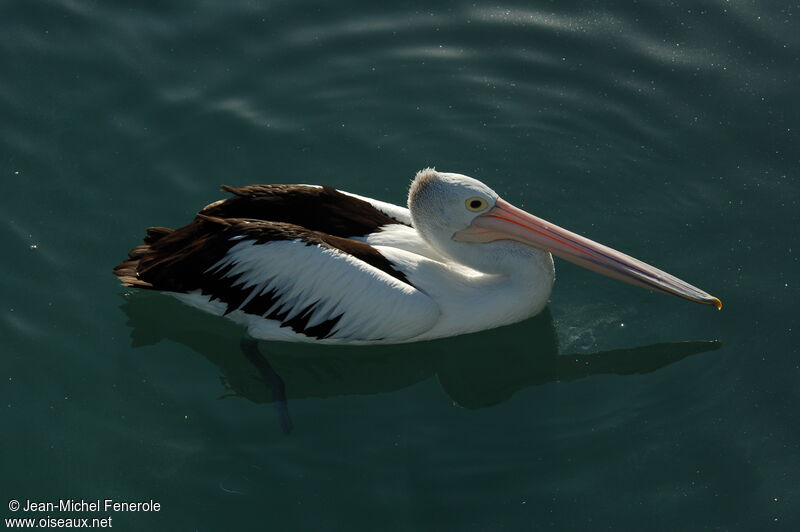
442,204
468,222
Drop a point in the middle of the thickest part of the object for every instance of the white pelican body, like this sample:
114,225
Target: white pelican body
309,263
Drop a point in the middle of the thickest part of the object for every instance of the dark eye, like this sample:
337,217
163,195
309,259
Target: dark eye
477,204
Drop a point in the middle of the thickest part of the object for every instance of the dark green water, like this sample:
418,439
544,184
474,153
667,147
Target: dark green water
670,131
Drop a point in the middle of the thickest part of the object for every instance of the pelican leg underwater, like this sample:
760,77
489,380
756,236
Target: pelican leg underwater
314,264
272,380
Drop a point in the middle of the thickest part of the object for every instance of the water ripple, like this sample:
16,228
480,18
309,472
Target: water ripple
349,27
584,23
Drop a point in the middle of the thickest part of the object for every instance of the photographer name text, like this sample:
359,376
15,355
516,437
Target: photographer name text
96,505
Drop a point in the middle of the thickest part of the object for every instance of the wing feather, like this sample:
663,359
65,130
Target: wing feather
271,275
320,284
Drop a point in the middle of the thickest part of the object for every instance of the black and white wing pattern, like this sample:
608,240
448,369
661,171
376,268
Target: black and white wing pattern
281,280
325,209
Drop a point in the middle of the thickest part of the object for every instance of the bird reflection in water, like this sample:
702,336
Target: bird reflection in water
476,370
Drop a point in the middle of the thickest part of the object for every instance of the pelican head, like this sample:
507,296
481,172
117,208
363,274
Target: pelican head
467,221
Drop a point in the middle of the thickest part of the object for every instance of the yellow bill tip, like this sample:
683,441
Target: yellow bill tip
717,303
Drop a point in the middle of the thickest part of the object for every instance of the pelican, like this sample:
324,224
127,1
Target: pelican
314,264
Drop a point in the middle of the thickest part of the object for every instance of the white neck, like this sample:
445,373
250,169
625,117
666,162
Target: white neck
493,284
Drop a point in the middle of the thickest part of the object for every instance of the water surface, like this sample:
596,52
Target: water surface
668,131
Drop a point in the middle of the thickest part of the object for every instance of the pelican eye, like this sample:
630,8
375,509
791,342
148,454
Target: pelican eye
476,204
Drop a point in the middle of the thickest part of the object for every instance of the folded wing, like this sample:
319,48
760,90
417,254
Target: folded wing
318,285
